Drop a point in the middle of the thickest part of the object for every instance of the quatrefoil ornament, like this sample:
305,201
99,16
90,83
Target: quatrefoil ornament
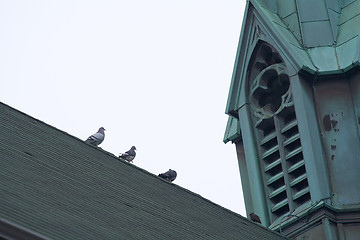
270,91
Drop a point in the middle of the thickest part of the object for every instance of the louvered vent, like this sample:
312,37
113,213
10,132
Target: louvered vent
294,157
270,152
278,135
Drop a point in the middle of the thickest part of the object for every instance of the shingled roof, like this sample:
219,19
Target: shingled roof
55,186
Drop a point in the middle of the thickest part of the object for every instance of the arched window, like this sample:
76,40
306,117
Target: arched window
278,139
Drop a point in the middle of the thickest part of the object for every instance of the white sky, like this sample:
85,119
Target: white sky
153,73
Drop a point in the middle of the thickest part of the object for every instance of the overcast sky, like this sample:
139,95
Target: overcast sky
153,73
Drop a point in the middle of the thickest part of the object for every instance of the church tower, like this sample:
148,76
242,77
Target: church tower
294,116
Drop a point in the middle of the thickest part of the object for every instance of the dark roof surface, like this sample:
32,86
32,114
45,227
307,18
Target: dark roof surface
56,186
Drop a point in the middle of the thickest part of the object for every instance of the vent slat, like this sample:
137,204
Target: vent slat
292,139
275,178
268,138
270,151
301,193
277,192
272,165
289,126
298,179
279,205
294,152
296,166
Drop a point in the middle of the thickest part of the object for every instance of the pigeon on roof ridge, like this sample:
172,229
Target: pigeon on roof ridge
97,138
128,155
169,175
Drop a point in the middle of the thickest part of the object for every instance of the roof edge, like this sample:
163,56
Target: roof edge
231,103
14,231
307,70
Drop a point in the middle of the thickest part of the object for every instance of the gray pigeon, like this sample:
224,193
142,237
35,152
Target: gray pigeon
96,138
169,175
128,155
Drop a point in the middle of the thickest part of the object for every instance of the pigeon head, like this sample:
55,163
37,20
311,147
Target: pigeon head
133,148
101,130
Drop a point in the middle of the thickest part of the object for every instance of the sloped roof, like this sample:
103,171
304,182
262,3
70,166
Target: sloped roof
55,186
325,30
320,37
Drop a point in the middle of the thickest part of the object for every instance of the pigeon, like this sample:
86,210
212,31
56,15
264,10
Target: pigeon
129,155
96,138
255,218
169,175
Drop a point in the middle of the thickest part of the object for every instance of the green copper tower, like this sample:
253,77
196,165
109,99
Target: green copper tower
294,116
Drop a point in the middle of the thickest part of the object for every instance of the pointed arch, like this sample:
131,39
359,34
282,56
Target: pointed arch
277,136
